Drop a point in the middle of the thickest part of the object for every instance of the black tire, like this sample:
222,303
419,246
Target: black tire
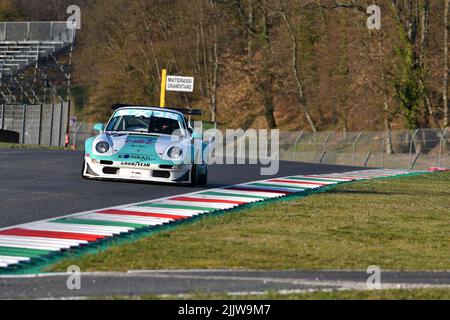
203,179
198,179
194,176
83,168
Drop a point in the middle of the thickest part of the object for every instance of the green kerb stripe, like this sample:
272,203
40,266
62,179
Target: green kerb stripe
276,186
23,252
100,223
176,206
314,179
213,193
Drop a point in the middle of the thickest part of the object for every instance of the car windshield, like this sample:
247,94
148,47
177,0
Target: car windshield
146,121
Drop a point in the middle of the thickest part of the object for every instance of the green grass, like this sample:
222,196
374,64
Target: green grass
6,145
398,294
398,224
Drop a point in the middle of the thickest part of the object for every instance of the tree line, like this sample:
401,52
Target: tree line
289,64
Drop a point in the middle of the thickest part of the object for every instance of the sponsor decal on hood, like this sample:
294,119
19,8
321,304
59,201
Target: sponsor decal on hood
146,141
138,157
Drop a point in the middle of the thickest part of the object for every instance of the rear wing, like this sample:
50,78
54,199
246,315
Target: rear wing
190,112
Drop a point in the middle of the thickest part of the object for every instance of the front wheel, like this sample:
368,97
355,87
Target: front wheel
198,178
203,178
83,169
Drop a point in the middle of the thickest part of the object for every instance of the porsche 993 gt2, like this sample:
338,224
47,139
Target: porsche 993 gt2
147,144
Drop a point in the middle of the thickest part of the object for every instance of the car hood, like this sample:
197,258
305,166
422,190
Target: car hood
135,147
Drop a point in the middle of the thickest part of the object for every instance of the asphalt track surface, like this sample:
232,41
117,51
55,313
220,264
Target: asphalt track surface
43,184
209,281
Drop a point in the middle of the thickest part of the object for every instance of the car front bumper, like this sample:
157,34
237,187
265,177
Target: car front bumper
136,171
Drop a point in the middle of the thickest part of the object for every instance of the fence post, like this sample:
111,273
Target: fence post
367,158
414,161
326,141
3,117
441,143
324,152
24,123
74,144
41,107
354,147
51,124
60,123
295,144
68,122
383,143
411,145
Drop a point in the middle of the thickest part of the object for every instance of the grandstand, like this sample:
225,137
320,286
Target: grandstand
35,61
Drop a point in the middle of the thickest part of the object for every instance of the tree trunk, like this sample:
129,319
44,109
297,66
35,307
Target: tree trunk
425,26
266,89
266,85
215,67
250,23
295,70
412,15
386,109
260,31
446,63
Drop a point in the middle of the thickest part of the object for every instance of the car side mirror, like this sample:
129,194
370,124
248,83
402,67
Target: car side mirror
100,127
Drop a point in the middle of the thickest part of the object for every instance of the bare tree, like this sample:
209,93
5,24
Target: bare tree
295,67
207,48
413,16
261,32
266,85
214,62
384,84
446,63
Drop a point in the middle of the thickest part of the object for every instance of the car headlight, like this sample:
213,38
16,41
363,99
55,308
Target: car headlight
175,152
102,147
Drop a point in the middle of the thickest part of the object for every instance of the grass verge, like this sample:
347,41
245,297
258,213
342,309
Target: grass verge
398,224
397,294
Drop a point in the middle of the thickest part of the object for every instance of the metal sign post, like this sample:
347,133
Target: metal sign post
162,101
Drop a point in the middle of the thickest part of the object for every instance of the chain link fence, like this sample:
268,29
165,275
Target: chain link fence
415,149
79,133
43,124
418,149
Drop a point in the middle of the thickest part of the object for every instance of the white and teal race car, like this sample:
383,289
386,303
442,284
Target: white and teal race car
147,144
